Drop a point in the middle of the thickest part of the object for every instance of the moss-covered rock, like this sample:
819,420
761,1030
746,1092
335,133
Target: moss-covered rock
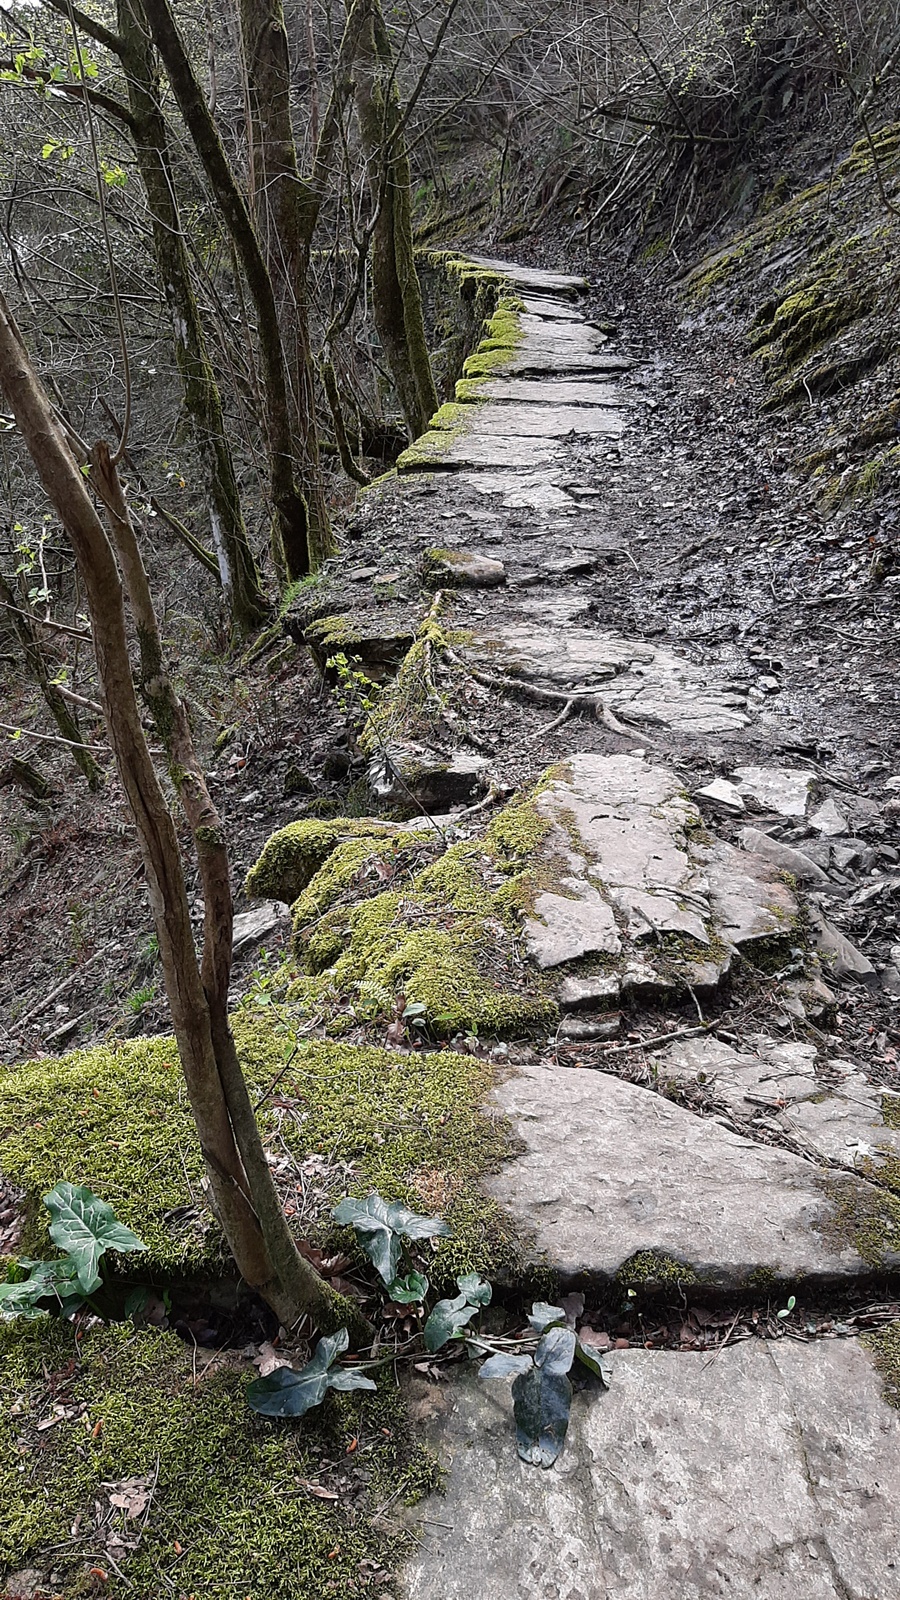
294,855
885,1348
229,1516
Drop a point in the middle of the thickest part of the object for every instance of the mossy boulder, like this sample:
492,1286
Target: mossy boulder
224,1510
294,855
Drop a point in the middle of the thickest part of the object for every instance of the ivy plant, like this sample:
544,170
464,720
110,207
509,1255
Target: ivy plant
84,1227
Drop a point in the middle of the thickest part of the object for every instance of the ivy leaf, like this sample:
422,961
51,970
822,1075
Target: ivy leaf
541,1403
556,1351
476,1290
286,1393
410,1290
447,1319
544,1316
505,1366
380,1224
85,1227
47,1280
594,1362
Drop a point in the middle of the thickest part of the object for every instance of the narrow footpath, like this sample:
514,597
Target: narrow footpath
692,856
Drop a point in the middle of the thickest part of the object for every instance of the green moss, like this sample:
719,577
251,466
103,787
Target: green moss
885,1348
411,1125
346,866
116,1118
229,1515
332,633
761,1280
890,1110
292,856
652,1268
868,1219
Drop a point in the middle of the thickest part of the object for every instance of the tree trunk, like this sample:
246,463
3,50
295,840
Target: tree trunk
287,213
397,298
291,511
241,1185
202,400
26,630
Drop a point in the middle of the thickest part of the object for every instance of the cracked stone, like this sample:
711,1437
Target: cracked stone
251,927
404,771
845,960
586,1028
796,862
829,820
587,994
610,1169
723,794
839,1121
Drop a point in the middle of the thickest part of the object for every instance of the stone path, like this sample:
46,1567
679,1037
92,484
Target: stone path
771,1469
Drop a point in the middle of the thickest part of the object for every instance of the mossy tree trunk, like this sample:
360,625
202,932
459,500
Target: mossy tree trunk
397,296
26,630
289,503
240,579
287,211
241,1185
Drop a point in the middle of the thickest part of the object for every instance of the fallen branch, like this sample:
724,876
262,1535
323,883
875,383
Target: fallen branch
52,738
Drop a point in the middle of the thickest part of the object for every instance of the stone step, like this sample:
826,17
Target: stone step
769,1470
612,1172
553,391
540,421
534,279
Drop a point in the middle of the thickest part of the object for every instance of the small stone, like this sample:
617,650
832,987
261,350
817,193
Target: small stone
587,994
847,961
590,1027
296,781
723,794
360,574
799,865
463,569
829,820
251,927
781,789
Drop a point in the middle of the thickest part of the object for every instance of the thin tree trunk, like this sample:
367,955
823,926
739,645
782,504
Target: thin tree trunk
240,579
291,511
288,210
66,721
397,297
221,1109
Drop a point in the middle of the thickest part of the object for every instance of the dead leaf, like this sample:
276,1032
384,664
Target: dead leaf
269,1359
132,1495
318,1489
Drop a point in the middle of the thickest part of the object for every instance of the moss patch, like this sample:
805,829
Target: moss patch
293,856
885,1348
868,1219
229,1516
649,1269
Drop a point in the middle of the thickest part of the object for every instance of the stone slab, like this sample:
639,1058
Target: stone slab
610,1169
835,1113
785,790
463,569
639,681
553,391
533,360
520,491
438,451
801,866
529,420
771,1472
627,871
534,279
252,927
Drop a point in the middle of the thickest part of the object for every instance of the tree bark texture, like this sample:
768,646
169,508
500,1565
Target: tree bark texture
237,569
289,503
397,298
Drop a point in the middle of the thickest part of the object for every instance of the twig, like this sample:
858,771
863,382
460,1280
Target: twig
23,1022
658,1039
53,738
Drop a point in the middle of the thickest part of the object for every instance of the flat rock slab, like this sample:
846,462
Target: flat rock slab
771,1471
520,491
623,872
252,927
463,569
539,359
553,391
610,1170
439,451
534,279
785,790
539,421
639,681
835,1112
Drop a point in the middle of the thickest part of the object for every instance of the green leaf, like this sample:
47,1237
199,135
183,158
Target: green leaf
544,1316
594,1362
556,1351
504,1366
476,1290
541,1404
380,1224
85,1227
48,1280
285,1393
447,1320
410,1290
